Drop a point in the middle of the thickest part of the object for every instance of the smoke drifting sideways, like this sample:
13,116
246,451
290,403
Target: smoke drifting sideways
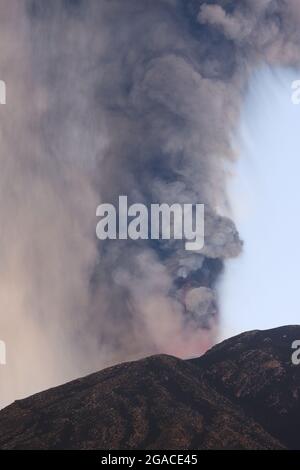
104,98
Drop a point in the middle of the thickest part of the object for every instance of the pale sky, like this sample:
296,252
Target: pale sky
262,288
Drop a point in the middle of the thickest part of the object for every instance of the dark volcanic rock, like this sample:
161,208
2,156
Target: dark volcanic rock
255,371
242,394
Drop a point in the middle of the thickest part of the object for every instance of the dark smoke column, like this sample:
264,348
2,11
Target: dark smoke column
161,87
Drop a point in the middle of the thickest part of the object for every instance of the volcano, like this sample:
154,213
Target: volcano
242,394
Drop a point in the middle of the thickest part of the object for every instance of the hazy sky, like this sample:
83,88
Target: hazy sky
261,289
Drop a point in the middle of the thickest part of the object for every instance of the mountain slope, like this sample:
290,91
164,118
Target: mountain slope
255,371
242,394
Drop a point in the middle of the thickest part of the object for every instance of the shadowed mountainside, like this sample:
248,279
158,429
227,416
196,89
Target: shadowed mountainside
242,394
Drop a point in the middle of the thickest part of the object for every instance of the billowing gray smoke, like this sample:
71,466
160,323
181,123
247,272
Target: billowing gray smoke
112,97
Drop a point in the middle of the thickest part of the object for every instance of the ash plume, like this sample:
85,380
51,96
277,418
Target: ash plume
105,98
